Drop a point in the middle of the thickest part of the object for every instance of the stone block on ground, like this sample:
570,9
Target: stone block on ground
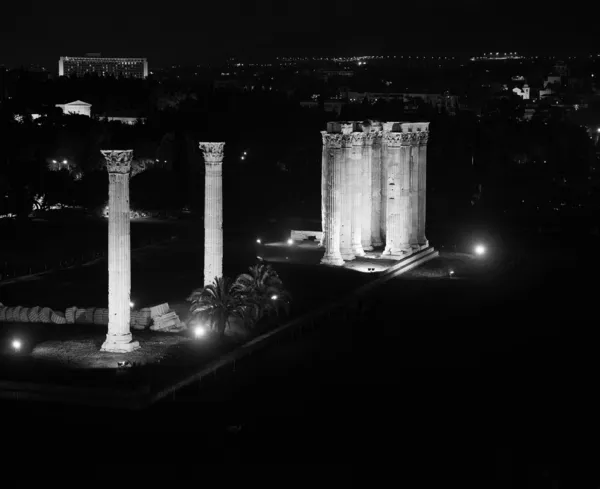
34,314
79,316
58,318
3,313
16,315
159,310
89,315
70,315
168,323
10,313
24,315
101,316
46,315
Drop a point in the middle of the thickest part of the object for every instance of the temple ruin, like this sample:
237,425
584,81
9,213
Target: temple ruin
373,189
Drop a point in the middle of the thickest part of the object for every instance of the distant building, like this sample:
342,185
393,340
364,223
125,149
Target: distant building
94,63
78,107
523,92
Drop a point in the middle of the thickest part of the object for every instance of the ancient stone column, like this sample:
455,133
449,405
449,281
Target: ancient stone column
423,137
333,203
398,186
213,211
346,210
376,239
324,196
355,167
414,194
387,127
118,338
366,183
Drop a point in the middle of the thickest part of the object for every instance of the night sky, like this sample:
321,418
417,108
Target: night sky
174,32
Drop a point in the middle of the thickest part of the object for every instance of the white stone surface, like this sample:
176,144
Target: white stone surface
333,203
356,192
119,338
346,208
297,235
324,188
213,210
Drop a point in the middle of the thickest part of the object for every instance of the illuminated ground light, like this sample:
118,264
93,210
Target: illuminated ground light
258,241
290,241
131,304
16,345
479,250
274,297
199,331
451,272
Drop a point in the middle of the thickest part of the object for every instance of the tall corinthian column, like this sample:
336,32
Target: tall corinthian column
387,128
213,211
355,166
366,207
119,339
423,137
333,204
413,196
324,196
376,239
398,185
346,210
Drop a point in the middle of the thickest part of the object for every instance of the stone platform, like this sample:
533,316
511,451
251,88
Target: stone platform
310,253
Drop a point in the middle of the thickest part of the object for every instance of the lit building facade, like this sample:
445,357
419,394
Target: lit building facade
118,67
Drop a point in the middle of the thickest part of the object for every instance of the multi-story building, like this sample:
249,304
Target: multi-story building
95,63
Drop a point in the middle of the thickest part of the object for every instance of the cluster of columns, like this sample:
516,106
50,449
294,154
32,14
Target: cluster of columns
118,164
373,189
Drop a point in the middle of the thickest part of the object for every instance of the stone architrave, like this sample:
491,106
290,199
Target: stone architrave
376,160
119,339
213,210
398,212
366,208
423,138
356,191
324,189
346,208
333,210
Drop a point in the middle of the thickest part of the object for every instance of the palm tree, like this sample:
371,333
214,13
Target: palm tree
263,291
218,303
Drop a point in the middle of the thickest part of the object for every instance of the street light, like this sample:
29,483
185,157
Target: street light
274,297
480,250
16,344
199,331
290,241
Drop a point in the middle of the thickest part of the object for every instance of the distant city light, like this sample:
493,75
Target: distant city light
451,272
480,250
131,304
64,162
199,331
290,241
243,157
54,161
258,241
16,344
274,297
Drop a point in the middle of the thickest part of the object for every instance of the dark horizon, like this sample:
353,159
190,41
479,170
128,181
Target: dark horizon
33,32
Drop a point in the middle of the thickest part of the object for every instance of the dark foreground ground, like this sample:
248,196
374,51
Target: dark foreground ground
480,383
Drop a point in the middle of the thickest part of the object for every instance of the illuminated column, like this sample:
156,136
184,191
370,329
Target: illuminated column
366,208
355,167
387,127
398,186
324,196
375,196
213,211
335,155
413,198
118,338
423,137
346,208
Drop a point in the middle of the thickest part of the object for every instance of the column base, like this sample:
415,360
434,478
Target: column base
112,346
424,243
367,248
358,251
396,254
336,261
377,243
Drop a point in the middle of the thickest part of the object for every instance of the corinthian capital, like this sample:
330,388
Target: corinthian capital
333,140
422,137
357,138
118,161
213,152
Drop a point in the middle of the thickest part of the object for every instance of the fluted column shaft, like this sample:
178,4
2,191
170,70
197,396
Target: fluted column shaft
414,197
356,192
333,193
324,187
346,208
119,338
213,211
366,207
423,138
398,212
376,160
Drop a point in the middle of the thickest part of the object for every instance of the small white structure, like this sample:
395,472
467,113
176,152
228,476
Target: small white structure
213,211
79,107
